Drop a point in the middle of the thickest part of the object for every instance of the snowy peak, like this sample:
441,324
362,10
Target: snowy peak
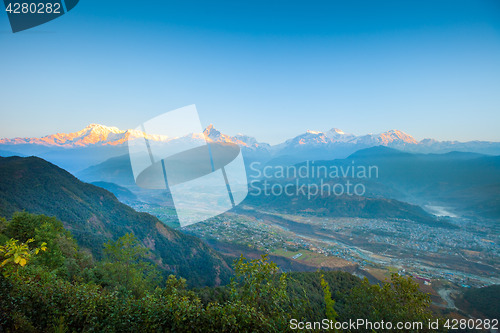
90,135
94,134
308,138
213,135
101,135
249,140
396,135
98,128
337,135
336,131
389,138
311,137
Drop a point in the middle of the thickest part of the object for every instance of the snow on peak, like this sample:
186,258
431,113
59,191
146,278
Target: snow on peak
210,131
391,137
337,135
213,135
97,134
398,136
103,128
336,130
90,135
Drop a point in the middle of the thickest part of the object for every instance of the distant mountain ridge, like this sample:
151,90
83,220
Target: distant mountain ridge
96,134
101,135
96,143
93,134
466,182
337,136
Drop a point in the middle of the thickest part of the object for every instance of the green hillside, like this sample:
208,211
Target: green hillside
94,216
47,284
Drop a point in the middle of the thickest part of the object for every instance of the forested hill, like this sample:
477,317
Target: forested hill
94,216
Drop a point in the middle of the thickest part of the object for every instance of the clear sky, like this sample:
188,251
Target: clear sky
270,69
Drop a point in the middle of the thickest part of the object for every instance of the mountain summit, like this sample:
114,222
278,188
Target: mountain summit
335,135
90,135
393,137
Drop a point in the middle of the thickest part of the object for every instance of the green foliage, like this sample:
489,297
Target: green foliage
3,225
259,284
43,301
95,216
397,301
62,256
331,314
126,250
121,293
13,254
125,267
309,284
22,225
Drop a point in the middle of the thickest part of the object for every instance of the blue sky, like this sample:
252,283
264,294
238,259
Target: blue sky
270,69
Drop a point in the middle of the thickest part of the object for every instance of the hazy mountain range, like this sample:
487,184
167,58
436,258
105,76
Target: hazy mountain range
466,183
101,135
96,143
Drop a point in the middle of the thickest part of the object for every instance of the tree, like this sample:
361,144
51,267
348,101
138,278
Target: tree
3,228
3,225
13,254
63,256
259,283
23,224
125,267
331,314
396,301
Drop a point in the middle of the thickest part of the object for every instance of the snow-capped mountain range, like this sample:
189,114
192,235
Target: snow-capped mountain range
100,135
335,136
95,134
95,143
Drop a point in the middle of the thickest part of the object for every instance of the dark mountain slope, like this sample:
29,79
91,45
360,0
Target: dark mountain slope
114,170
344,206
94,216
468,181
120,192
481,301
